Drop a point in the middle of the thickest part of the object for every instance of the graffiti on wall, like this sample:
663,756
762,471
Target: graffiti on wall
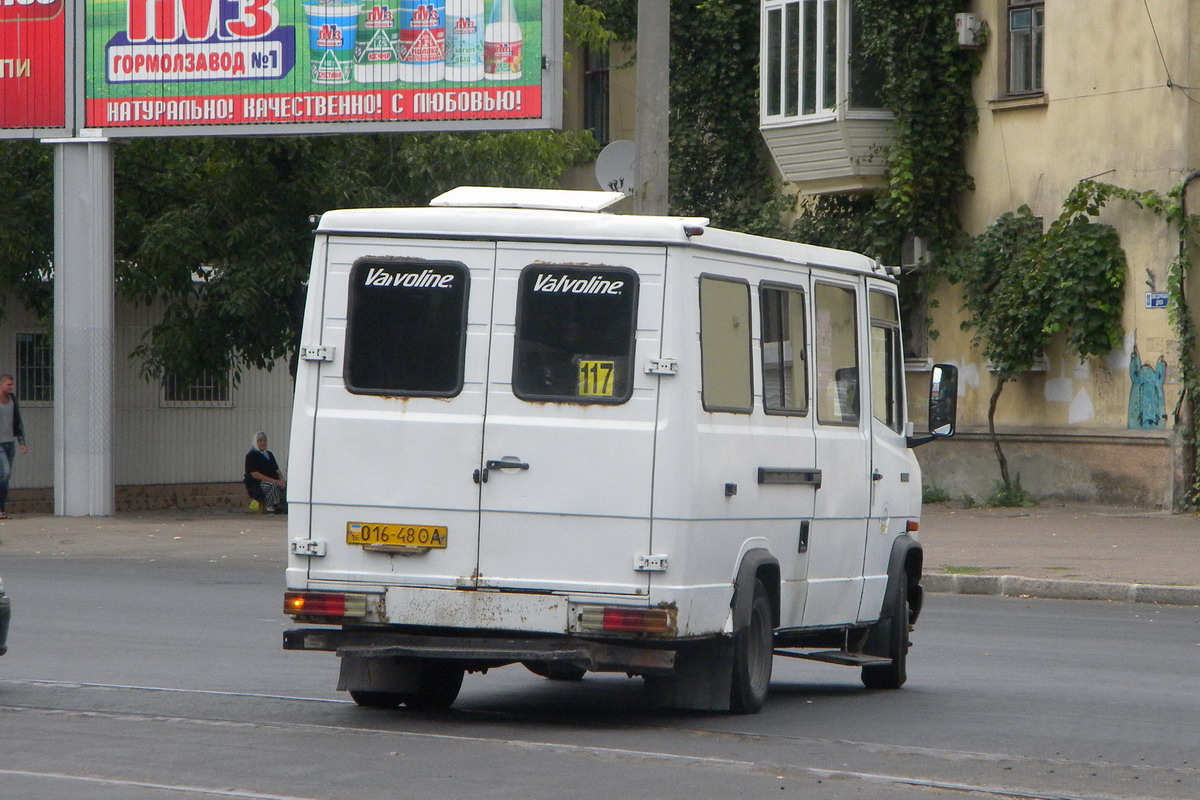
1147,404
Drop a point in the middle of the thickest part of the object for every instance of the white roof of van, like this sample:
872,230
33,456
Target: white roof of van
565,215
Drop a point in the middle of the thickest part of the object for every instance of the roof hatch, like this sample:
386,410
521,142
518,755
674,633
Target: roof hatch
547,199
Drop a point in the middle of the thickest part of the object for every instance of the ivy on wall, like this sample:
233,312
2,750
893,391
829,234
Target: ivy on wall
927,87
719,167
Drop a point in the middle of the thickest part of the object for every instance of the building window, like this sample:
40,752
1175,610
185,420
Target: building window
595,95
210,389
1026,35
811,66
35,368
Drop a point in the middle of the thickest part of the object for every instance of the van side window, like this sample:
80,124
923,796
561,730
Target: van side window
725,364
887,368
837,355
785,364
406,327
576,330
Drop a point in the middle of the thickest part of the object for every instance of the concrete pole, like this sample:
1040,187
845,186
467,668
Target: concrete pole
653,104
83,328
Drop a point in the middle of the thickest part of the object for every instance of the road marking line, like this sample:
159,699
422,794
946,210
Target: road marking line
166,787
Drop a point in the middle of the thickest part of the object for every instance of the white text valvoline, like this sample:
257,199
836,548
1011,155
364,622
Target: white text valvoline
425,279
592,285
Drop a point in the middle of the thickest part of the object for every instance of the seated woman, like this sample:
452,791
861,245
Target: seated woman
264,479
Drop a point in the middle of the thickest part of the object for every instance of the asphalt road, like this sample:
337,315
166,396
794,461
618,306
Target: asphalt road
130,677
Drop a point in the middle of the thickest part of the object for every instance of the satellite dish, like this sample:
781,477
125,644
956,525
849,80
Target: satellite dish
614,167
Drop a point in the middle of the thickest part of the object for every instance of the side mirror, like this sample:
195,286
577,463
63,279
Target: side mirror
943,404
943,399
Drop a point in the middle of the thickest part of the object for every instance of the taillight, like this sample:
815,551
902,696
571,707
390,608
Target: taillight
625,619
324,604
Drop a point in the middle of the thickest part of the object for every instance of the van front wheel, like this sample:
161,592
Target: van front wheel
893,675
753,652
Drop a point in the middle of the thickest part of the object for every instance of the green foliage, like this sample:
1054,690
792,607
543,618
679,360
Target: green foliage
218,228
27,237
1010,495
927,87
584,25
719,167
934,494
1021,287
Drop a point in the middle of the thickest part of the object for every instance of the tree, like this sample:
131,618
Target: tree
1022,287
218,229
27,237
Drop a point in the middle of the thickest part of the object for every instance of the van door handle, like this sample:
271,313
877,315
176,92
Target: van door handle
876,476
507,465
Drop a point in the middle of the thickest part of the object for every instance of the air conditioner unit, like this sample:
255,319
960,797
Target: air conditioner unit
970,30
914,251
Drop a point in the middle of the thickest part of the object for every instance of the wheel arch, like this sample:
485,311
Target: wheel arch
905,564
757,564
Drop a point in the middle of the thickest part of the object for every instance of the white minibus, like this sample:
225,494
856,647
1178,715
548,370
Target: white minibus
527,430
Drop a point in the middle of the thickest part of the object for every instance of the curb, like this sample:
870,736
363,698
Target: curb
1015,586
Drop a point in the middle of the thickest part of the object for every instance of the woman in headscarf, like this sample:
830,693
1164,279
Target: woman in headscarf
264,479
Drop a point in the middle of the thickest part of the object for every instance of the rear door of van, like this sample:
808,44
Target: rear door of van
398,413
568,443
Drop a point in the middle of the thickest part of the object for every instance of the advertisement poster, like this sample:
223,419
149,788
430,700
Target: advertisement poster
32,64
173,64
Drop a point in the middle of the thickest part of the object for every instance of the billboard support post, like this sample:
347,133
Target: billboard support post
651,194
83,328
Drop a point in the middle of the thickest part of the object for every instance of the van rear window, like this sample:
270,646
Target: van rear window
575,334
406,327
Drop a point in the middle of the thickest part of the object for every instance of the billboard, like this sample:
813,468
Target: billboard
33,56
180,67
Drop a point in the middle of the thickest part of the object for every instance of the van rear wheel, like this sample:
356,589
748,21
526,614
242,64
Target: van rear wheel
437,687
753,653
377,699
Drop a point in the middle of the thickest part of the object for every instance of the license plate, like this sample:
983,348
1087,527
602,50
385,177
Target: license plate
376,533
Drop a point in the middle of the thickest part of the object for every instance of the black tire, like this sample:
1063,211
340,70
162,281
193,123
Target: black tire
438,687
556,670
377,699
753,654
893,675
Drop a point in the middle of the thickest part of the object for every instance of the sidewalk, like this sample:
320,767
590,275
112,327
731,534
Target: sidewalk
1070,552
1073,552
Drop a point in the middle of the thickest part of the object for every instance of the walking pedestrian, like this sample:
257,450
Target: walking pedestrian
12,435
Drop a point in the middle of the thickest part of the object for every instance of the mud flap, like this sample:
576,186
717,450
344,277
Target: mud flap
703,674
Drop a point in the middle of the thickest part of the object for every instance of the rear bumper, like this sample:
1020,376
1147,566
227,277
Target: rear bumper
484,652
